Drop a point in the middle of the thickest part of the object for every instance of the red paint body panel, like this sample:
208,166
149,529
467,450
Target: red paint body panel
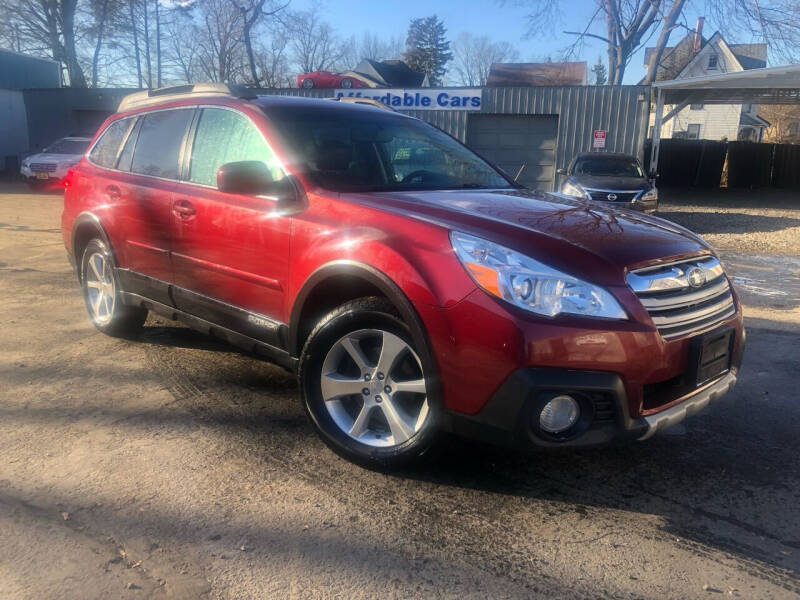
242,251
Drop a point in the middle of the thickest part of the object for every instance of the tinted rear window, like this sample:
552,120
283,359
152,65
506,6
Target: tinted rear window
159,143
105,150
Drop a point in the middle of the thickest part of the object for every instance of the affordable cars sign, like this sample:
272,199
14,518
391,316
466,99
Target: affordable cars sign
420,99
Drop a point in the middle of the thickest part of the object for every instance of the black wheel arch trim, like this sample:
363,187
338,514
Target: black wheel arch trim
388,288
84,218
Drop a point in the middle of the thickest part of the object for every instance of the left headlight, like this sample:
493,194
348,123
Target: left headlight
529,284
573,189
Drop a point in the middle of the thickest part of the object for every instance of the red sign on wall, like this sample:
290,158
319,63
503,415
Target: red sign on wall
599,138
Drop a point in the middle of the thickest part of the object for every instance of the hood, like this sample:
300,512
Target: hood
53,158
611,183
592,241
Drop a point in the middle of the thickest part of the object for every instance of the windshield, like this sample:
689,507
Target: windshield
374,150
68,147
606,166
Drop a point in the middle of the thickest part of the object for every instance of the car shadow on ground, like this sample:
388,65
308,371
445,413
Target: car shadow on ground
728,222
730,482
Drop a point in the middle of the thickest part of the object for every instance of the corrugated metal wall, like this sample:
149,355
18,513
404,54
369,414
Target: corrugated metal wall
18,71
622,111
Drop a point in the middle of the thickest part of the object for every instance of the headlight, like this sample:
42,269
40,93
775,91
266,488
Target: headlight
529,284
573,189
651,194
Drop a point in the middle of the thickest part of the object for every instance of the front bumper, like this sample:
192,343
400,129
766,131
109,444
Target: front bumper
510,417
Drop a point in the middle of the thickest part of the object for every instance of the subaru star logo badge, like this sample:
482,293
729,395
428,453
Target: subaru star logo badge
611,197
696,277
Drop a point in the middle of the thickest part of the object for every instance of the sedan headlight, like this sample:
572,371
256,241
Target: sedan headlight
529,284
573,189
651,194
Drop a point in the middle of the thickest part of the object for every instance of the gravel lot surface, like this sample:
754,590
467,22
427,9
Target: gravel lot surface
759,222
173,466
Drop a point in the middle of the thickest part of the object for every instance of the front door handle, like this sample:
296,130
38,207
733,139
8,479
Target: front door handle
113,192
183,209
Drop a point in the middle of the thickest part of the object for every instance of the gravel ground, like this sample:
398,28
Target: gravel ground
759,222
173,466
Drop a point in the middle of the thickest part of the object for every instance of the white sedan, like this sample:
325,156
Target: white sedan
51,164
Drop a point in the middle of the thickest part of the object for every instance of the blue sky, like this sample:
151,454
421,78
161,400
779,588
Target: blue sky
498,20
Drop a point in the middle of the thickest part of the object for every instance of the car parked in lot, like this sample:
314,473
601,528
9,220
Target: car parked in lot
412,286
608,177
327,80
51,164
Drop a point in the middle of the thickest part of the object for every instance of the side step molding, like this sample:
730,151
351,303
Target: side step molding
262,349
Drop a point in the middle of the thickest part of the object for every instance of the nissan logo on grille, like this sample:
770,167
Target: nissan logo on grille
611,197
696,276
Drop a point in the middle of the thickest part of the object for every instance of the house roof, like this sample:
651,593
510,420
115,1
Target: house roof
390,73
533,74
675,58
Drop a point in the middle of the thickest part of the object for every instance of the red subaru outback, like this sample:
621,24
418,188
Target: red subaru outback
411,285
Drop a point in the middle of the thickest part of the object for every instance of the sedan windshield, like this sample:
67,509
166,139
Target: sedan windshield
607,166
67,147
376,150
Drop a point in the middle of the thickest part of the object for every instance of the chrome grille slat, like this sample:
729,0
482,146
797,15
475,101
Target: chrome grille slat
656,303
689,316
675,306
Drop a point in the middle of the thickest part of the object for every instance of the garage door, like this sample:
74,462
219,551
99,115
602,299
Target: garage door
510,141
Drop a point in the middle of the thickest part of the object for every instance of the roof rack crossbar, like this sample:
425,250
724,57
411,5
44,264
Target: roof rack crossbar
176,92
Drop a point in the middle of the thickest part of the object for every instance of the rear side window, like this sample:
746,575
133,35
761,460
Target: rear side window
105,151
126,156
225,136
159,142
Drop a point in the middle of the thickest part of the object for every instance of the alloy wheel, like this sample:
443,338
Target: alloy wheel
100,288
373,386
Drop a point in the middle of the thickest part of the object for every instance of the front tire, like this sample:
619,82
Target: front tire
307,83
365,387
101,295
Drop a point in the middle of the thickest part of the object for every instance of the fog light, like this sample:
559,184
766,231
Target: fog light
559,414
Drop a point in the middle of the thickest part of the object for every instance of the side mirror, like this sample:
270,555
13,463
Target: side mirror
249,177
561,171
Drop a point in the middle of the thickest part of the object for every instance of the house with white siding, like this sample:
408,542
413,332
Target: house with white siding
695,56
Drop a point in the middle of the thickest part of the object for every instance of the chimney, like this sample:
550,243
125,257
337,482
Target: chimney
698,34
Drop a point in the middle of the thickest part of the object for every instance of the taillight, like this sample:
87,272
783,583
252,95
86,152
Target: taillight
67,181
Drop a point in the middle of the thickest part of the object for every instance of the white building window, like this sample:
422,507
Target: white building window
713,61
693,131
696,106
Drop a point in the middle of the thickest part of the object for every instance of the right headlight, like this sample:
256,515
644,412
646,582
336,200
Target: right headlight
573,189
530,284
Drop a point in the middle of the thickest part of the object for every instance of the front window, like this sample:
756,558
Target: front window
375,150
607,166
68,147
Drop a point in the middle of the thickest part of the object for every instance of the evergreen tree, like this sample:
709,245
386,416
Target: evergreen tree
599,70
427,50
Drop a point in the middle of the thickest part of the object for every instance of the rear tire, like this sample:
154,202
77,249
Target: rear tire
365,387
347,83
101,293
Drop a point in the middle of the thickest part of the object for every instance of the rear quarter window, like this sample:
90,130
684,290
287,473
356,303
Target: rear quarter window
104,153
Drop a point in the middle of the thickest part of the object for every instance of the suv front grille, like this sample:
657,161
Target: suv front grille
616,196
684,297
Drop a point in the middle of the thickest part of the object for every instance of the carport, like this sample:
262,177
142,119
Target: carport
773,85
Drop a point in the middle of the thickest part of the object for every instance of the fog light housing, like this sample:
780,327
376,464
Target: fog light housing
559,414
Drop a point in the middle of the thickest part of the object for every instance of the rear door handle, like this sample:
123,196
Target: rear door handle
113,192
184,209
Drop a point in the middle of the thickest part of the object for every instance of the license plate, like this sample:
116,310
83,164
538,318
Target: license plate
42,176
711,355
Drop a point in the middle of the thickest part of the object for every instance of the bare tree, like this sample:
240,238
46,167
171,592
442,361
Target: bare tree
374,47
272,60
625,26
315,45
252,12
473,57
220,46
182,45
784,123
46,27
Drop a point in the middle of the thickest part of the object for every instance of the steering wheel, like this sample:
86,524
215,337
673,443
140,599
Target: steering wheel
420,174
